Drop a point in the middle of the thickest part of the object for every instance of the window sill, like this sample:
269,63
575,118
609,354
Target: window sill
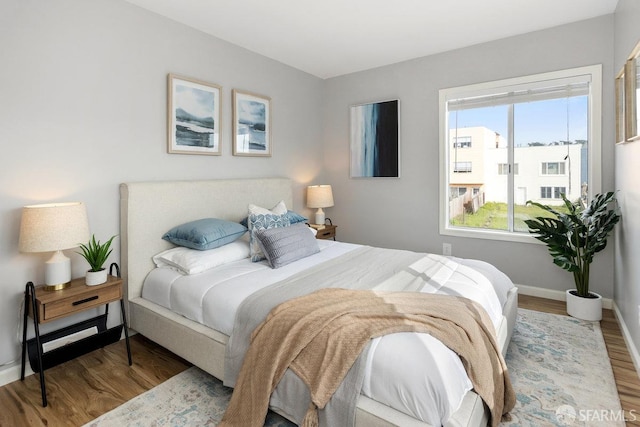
477,233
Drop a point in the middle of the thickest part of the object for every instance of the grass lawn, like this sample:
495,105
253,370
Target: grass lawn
494,216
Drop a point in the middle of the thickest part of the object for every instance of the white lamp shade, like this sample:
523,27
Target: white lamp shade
53,227
319,196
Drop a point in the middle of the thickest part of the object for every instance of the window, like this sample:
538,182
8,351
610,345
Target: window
534,138
462,142
552,168
552,192
503,169
455,192
462,167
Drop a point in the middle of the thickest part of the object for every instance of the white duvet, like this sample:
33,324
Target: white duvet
430,391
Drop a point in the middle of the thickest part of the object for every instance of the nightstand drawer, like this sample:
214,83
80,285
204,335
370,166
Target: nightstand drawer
328,232
76,298
67,306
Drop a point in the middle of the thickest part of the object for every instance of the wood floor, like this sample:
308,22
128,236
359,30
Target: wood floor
83,389
624,371
80,390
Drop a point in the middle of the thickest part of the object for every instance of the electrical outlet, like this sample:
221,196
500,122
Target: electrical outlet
446,249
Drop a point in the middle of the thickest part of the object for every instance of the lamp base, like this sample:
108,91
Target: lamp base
319,216
57,287
57,273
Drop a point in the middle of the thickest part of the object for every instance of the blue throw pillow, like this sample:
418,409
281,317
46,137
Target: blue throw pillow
295,218
206,233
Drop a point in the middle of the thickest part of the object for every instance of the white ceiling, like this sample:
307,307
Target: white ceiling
329,38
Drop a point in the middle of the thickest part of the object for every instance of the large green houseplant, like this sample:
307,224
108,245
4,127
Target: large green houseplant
575,236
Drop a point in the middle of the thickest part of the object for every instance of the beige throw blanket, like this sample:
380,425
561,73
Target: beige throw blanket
320,335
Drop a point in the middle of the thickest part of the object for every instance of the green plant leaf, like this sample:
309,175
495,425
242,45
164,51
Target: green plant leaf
573,238
96,253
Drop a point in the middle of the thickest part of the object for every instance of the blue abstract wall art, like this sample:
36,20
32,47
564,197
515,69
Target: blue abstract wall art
375,150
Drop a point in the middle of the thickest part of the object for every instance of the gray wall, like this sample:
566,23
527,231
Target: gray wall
627,176
83,108
403,213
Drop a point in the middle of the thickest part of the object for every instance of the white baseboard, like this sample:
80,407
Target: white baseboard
633,351
11,373
554,294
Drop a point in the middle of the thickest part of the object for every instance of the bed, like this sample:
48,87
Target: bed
149,209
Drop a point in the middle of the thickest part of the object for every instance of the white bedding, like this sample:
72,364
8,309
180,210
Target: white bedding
430,391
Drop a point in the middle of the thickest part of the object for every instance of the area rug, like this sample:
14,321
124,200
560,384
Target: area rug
559,369
192,398
561,373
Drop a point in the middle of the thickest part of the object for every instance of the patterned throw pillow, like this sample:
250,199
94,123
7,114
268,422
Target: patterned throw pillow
264,218
294,218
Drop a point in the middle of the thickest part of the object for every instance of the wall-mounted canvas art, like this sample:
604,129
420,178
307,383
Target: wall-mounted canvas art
375,142
627,85
193,116
251,124
620,108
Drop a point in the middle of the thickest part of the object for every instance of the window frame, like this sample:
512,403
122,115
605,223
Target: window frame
561,167
465,142
546,192
458,167
591,72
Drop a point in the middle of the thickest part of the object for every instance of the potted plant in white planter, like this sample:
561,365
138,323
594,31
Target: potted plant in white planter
96,254
573,238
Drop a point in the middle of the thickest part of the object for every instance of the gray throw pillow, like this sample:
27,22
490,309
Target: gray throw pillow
283,245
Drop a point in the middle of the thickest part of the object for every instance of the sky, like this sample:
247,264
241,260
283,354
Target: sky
541,121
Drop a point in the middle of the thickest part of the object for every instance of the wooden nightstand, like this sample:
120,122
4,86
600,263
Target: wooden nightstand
46,306
327,232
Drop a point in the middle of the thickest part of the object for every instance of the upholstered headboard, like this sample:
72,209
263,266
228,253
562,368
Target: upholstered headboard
149,209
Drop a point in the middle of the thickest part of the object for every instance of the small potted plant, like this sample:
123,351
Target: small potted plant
96,254
573,238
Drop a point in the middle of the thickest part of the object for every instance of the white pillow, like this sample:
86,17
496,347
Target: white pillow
278,209
192,261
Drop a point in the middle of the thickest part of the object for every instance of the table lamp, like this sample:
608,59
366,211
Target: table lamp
319,196
54,227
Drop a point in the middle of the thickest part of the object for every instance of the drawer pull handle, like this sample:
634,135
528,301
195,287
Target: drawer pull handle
82,301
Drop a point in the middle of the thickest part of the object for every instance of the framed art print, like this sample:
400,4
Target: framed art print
251,124
627,85
620,107
375,145
630,104
193,116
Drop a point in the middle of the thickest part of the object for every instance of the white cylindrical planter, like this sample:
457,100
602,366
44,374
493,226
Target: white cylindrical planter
584,308
96,277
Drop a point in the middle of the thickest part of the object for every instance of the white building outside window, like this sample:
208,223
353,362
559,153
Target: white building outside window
534,138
